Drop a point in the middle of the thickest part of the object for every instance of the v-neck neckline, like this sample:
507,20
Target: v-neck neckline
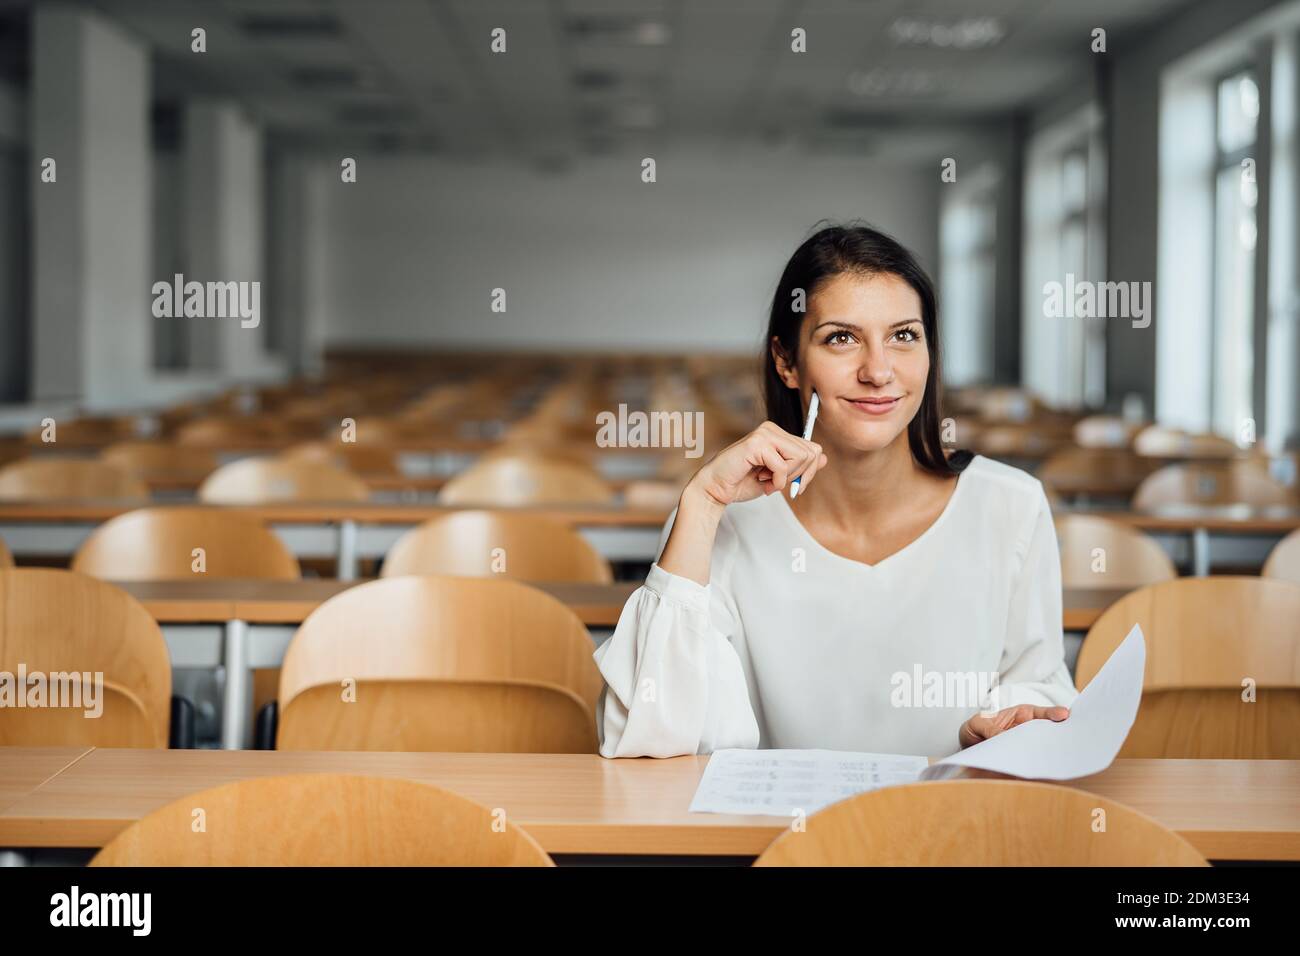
793,518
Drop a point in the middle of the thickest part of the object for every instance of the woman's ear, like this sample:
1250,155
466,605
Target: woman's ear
784,367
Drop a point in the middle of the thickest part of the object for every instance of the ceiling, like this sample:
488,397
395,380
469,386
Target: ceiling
593,76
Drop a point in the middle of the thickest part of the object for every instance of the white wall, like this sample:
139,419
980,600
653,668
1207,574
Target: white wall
592,259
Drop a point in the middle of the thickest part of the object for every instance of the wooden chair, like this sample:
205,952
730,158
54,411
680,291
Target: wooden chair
242,431
61,622
1104,472
1128,558
439,663
323,819
980,823
526,480
370,459
1284,560
1021,440
6,559
1004,404
145,458
157,544
1208,484
1106,431
1210,641
1159,441
54,479
262,480
485,544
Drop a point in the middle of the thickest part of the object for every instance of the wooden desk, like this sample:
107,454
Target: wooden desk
202,601
1253,530
348,531
577,803
352,531
23,769
289,602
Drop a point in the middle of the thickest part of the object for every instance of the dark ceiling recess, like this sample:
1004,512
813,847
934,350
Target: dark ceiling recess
324,77
278,26
858,120
616,30
166,125
15,53
595,80
366,114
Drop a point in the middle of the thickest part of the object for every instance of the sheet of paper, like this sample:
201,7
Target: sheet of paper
1084,744
780,782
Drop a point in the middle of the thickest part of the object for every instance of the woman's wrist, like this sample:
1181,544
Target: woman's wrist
699,505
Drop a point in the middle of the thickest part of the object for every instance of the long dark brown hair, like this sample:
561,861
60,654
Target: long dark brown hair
859,250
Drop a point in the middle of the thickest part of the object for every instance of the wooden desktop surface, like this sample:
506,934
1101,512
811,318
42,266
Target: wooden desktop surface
581,803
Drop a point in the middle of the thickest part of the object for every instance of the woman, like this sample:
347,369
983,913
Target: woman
901,602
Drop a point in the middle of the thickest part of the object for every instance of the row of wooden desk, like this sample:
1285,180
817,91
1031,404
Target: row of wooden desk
585,804
598,606
1195,537
244,625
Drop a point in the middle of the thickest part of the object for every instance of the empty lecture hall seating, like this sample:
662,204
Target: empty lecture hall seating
62,621
1222,669
324,820
440,663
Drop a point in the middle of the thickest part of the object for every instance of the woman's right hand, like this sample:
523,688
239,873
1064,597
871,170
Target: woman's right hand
764,461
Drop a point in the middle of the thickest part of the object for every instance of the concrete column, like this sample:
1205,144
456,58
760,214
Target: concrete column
223,173
91,340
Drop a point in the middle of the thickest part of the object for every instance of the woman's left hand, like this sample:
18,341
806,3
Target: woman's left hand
979,727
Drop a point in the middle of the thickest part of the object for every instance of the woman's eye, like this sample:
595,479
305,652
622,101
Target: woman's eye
838,338
910,335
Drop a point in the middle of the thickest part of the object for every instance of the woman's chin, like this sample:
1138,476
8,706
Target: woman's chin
866,438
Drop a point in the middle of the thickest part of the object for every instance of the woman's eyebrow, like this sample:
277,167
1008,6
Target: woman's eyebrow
849,325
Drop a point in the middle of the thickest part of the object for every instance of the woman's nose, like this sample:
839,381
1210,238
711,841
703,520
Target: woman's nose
876,368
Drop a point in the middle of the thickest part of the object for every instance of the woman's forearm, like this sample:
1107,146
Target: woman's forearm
689,548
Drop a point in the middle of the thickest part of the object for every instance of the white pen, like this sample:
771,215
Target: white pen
813,404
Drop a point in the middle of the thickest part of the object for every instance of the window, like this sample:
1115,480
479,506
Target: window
967,237
1064,358
1235,197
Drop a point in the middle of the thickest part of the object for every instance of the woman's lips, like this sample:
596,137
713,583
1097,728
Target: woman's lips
874,406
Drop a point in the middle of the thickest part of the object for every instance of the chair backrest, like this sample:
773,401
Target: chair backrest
1105,467
482,544
368,459
264,480
158,544
1284,560
233,431
418,650
323,820
980,823
1203,483
146,457
1105,431
1097,552
1222,673
524,480
6,559
52,479
59,624
1160,441
1020,439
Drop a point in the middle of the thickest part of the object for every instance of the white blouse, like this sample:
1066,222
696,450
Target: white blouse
792,645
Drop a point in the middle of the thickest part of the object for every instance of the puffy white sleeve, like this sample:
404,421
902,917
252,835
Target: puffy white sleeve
1033,668
673,681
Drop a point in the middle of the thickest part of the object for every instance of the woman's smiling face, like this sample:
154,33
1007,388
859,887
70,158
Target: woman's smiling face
862,348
